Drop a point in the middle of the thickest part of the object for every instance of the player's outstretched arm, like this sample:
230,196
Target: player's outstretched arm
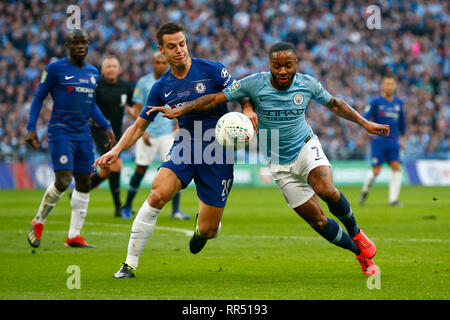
344,110
203,103
129,137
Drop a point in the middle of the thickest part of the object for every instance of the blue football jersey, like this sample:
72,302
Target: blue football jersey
204,77
388,112
73,92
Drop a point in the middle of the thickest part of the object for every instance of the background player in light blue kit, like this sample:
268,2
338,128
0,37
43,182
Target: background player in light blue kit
187,79
388,109
299,166
72,84
158,138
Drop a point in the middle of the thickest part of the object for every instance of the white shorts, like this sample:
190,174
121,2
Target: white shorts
292,178
145,155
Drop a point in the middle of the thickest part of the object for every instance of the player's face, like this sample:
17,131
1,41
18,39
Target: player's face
388,86
159,65
110,69
174,48
283,65
78,47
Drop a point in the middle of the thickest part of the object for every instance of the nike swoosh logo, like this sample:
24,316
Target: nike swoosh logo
261,99
67,78
167,94
318,159
363,244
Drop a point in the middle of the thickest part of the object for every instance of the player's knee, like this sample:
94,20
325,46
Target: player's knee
208,232
104,173
157,199
328,192
318,223
62,182
141,169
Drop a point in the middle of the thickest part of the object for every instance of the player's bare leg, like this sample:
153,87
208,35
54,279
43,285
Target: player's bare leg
52,194
165,185
312,213
370,178
395,184
321,180
79,203
207,226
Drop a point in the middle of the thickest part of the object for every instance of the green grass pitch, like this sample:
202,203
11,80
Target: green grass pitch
265,251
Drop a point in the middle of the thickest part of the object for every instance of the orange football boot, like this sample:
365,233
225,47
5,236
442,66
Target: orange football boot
78,242
35,233
367,265
367,247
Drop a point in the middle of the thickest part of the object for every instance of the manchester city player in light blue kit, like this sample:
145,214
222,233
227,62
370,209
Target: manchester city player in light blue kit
299,166
187,79
72,83
389,109
157,139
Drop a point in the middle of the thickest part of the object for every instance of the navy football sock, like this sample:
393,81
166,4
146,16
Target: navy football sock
95,180
342,210
114,185
334,234
135,182
176,202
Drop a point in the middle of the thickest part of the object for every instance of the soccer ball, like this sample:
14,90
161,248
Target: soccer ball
234,130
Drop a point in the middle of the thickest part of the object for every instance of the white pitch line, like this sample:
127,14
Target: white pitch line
189,233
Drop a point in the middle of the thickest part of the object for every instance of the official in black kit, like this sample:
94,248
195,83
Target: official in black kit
114,98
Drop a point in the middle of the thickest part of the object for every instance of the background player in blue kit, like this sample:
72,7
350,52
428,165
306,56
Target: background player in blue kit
187,79
389,109
158,138
72,84
298,165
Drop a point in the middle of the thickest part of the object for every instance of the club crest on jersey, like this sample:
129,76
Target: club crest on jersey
200,87
63,159
298,99
93,79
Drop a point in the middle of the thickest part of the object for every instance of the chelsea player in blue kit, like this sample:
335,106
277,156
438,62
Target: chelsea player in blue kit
187,79
388,109
298,165
158,138
72,84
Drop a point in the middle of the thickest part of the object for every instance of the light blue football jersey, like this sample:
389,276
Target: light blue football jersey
160,126
280,112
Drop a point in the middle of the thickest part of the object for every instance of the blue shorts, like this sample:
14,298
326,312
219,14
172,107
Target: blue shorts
213,180
384,151
73,155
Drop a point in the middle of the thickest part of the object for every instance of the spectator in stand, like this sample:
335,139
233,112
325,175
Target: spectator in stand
330,39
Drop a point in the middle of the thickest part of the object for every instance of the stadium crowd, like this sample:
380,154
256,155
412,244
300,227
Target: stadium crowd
332,39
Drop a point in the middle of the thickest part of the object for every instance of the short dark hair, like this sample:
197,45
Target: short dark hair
168,28
75,32
281,46
388,76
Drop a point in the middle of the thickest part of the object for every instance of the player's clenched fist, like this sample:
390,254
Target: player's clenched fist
32,139
378,129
